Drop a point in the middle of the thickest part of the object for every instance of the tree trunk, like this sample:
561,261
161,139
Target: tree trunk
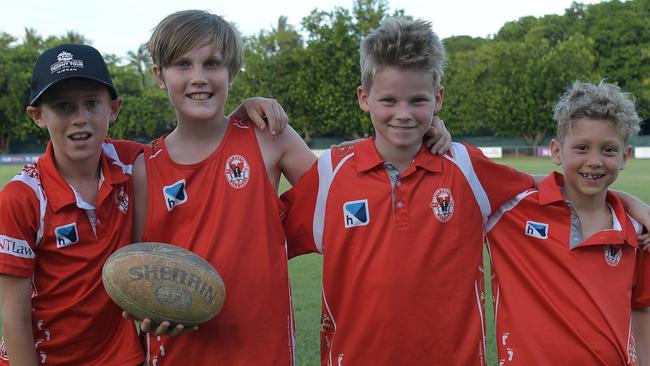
306,136
534,139
5,139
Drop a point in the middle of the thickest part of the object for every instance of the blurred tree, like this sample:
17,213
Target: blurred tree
621,34
16,64
527,78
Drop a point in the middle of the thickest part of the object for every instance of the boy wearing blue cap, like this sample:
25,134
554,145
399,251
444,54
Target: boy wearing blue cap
65,214
62,217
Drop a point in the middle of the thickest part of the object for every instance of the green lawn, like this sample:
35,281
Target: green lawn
7,172
306,270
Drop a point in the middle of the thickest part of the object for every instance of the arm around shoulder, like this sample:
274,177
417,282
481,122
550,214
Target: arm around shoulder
637,209
296,157
15,300
288,154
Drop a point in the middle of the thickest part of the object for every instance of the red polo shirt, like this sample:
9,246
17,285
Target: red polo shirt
402,276
561,306
45,235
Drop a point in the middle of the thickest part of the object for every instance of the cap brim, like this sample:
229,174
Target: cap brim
34,100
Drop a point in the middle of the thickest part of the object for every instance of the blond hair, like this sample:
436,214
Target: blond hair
402,43
603,101
186,30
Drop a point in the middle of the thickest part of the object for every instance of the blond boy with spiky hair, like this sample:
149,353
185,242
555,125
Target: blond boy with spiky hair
400,229
569,270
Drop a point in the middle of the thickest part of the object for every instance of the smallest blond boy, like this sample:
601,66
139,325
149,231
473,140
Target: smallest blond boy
569,270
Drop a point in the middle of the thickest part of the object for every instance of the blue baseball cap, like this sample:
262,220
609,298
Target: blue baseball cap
68,61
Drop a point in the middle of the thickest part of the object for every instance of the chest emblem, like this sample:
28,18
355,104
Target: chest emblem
613,254
356,213
121,199
537,230
237,171
175,194
66,235
442,204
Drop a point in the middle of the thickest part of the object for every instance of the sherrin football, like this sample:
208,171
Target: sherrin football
163,282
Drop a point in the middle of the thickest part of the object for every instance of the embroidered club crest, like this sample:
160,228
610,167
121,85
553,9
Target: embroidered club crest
237,171
442,204
613,254
121,200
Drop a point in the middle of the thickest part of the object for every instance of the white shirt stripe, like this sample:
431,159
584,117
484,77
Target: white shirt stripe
460,157
494,219
109,150
325,177
42,201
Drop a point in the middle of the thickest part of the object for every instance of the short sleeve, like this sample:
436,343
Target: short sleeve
500,182
18,229
300,202
127,151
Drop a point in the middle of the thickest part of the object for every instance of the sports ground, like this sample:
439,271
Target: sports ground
306,270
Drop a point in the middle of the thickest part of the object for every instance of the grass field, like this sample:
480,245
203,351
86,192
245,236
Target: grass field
306,270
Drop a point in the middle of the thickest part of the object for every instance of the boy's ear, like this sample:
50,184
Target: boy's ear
362,97
626,155
439,97
36,114
116,104
158,74
556,149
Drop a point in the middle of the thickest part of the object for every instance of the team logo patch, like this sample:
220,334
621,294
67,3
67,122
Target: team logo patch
175,194
355,213
442,204
237,171
537,230
613,254
15,247
66,235
121,199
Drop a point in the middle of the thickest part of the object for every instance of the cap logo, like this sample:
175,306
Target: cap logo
66,62
64,56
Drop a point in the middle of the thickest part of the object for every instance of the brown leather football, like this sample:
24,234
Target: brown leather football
163,282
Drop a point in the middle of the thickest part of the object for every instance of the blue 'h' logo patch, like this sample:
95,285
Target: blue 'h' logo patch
66,235
537,229
355,213
175,194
